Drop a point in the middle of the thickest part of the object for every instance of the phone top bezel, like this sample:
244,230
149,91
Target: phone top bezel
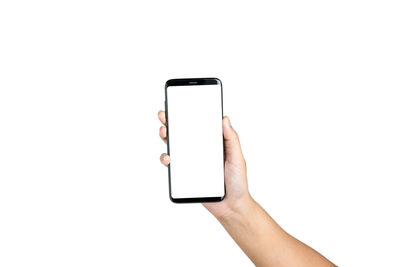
189,82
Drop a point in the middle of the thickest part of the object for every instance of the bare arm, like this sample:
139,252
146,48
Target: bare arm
265,242
256,233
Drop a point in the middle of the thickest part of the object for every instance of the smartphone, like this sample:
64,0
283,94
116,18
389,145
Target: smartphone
194,112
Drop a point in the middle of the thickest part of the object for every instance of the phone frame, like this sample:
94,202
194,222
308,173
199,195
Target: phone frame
189,82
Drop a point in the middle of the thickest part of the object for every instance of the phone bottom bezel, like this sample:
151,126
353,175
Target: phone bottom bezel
197,200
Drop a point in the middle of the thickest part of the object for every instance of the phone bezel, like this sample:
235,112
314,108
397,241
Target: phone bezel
189,82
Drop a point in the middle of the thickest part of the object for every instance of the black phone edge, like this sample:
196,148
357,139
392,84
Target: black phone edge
188,82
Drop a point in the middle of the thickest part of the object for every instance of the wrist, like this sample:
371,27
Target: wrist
238,210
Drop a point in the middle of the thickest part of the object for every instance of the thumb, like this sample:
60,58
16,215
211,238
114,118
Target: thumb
233,151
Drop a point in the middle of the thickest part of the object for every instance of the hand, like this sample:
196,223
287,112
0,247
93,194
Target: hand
237,194
257,234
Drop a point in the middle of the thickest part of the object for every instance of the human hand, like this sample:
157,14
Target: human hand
237,194
257,234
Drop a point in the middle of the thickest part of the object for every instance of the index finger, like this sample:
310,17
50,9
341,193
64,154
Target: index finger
161,116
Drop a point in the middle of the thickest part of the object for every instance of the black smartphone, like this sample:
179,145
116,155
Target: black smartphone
194,112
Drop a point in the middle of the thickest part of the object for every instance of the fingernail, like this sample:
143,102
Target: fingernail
229,121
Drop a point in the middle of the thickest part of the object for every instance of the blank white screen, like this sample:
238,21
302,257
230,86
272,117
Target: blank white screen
195,141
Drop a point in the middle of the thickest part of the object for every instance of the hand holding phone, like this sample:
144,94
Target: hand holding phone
247,222
234,163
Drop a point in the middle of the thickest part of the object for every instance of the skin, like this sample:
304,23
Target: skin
256,233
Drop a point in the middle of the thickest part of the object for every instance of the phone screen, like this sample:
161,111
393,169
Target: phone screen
195,141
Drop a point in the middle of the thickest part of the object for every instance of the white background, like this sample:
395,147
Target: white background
312,87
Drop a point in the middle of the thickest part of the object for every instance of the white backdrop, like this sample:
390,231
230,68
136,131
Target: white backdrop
312,87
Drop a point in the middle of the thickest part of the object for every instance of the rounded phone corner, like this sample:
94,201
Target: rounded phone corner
173,200
168,83
218,80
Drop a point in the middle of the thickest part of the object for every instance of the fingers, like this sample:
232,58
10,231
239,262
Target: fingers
233,151
161,117
165,159
163,129
163,133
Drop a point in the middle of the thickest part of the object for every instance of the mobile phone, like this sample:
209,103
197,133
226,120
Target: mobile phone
194,112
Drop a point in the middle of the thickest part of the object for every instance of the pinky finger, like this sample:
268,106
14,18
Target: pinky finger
165,159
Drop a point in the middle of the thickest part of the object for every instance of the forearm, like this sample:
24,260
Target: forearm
264,241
